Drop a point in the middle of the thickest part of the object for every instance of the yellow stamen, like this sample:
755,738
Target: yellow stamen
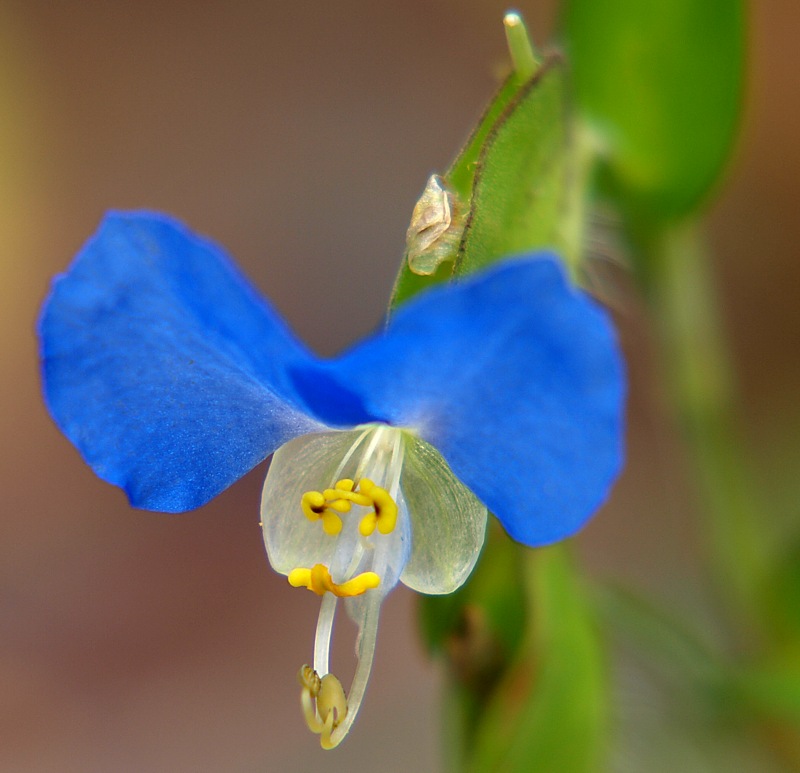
318,579
385,509
331,524
315,506
367,524
318,505
344,491
340,505
312,503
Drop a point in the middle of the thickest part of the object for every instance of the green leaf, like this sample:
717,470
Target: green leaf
661,82
674,644
549,712
518,192
507,180
459,179
462,171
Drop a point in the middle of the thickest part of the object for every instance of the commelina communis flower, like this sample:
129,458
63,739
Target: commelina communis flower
500,392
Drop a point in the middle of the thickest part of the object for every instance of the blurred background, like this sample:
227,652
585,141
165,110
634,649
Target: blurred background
299,135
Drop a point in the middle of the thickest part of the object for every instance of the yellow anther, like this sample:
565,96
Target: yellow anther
385,509
331,524
367,524
341,505
323,505
361,583
318,579
311,685
315,506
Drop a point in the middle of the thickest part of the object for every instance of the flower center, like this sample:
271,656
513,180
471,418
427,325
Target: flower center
325,506
368,547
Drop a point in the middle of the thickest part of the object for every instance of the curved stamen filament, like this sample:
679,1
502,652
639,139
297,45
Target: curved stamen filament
331,704
334,713
322,638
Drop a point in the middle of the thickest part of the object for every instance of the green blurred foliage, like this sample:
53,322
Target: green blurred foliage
782,599
661,84
647,118
550,711
479,630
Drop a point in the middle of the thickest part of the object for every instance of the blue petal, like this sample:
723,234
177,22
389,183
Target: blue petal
163,366
516,378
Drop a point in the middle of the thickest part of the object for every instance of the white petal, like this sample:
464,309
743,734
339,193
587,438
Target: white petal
307,463
448,523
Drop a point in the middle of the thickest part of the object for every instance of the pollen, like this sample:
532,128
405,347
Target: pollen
318,579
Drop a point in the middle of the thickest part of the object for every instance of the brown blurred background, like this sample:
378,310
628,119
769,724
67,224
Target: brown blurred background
299,135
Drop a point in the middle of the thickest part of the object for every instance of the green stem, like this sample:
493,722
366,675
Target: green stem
549,711
703,390
572,678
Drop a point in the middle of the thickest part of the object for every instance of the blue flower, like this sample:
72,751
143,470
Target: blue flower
503,391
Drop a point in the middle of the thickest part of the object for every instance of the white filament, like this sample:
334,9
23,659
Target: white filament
322,640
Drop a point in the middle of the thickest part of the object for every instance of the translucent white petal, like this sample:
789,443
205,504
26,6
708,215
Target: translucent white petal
391,556
448,523
313,463
307,463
